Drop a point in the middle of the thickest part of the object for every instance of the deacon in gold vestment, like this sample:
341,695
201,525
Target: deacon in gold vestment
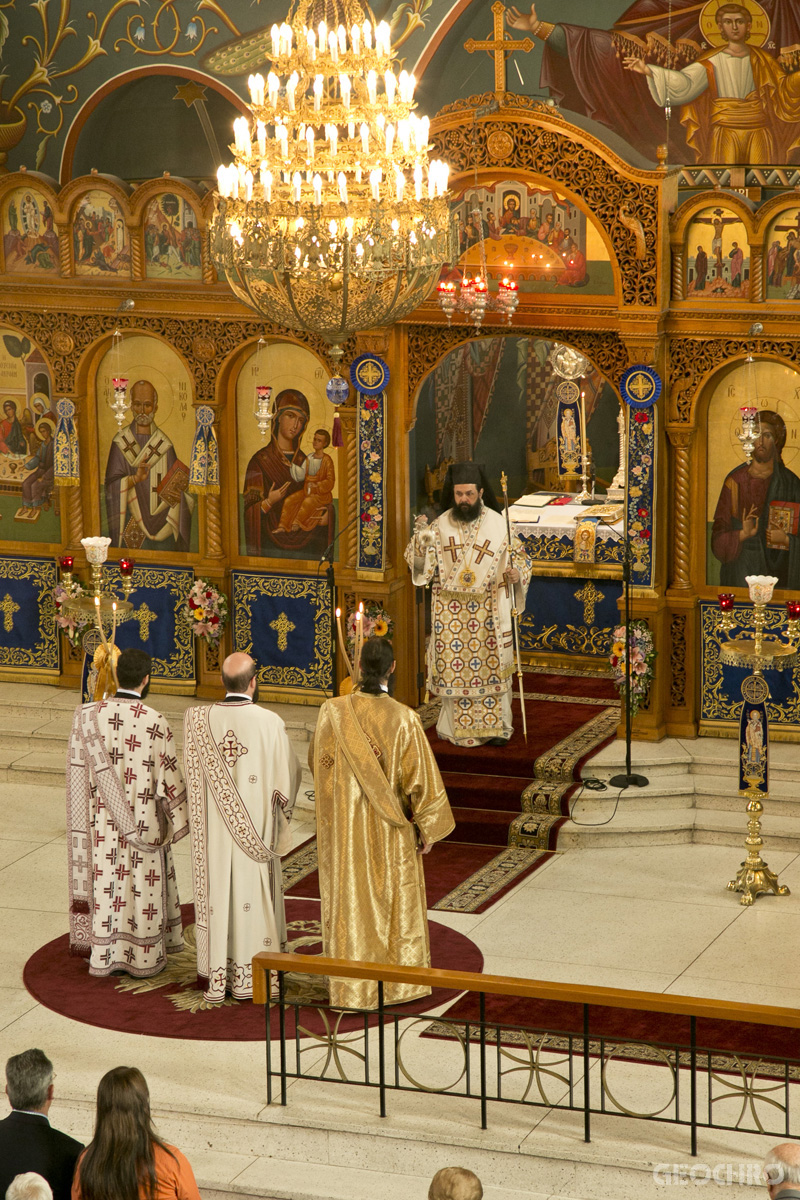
381,804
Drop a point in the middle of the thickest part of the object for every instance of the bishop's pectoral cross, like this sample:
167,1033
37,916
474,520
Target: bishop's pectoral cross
500,46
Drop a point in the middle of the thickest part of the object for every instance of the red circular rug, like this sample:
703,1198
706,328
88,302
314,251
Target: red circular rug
63,984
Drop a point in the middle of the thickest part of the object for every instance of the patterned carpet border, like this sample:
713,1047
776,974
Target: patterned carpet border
299,864
495,877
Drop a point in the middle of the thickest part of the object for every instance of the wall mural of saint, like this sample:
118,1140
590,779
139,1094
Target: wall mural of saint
28,496
703,60
145,504
288,486
754,508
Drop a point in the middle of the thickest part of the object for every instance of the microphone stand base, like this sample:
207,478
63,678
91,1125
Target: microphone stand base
626,781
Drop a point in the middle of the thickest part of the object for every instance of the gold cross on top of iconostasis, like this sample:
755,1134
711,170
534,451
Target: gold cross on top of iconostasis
500,45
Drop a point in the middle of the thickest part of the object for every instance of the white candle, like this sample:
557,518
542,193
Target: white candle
355,39
333,140
366,29
317,190
291,85
318,82
248,185
273,87
310,143
365,138
344,88
223,187
390,82
333,46
297,181
275,35
261,137
255,84
372,87
375,180
342,181
311,42
351,129
389,139
349,224
266,183
322,35
342,36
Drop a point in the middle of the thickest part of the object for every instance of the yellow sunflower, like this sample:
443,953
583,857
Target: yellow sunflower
380,628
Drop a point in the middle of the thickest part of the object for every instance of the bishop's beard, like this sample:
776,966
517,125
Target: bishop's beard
465,513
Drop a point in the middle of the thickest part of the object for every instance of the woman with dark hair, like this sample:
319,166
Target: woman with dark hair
126,1159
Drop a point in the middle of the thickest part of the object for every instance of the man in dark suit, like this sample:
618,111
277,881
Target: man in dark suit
27,1140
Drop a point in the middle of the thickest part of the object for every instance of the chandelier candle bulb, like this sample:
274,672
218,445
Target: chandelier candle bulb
317,190
364,138
255,84
311,42
310,143
291,87
355,40
342,182
241,136
322,35
275,36
390,83
351,129
273,88
261,137
341,34
297,185
366,29
389,137
372,88
333,140
333,47
344,88
266,183
375,180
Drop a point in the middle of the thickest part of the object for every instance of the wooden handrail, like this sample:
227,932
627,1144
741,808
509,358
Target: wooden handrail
503,985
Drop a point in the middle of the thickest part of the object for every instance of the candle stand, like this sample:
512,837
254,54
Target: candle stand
757,651
100,604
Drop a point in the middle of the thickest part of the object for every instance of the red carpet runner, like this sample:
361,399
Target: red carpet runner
509,801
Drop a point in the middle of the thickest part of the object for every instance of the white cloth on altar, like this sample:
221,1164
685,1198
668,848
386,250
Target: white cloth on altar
241,797
126,804
557,520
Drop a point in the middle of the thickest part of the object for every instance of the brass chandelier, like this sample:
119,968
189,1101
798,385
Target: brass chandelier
332,218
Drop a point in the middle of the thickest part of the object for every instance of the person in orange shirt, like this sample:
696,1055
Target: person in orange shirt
126,1158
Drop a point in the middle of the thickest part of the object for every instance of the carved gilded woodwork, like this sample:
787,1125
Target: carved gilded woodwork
543,144
681,578
692,359
677,660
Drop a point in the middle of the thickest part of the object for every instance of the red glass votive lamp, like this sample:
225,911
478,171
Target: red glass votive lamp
66,562
793,610
126,566
726,600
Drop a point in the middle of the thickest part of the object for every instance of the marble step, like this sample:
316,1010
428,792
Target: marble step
670,825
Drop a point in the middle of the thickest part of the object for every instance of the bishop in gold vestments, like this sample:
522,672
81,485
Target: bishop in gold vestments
378,794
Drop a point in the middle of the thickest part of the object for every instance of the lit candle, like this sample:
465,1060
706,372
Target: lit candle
311,42
403,134
322,35
342,181
297,181
317,183
318,82
375,180
273,87
342,643
241,136
333,47
66,562
310,143
344,88
275,35
726,600
248,185
355,39
223,182
266,183
351,129
366,29
342,36
365,137
585,455
333,140
255,85
291,84
261,137
383,43
390,82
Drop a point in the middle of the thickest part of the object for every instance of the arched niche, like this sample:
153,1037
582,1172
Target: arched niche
493,399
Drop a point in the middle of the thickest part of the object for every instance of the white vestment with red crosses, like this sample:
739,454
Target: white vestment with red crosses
470,656
126,805
242,777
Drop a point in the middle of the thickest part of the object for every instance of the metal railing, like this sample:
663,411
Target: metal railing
525,1064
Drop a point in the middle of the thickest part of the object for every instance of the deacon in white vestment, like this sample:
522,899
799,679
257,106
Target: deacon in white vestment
242,776
126,805
470,657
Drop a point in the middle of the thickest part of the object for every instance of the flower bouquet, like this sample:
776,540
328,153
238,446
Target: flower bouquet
642,651
207,610
71,624
375,622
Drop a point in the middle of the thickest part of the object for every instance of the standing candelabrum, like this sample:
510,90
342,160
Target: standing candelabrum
100,604
758,650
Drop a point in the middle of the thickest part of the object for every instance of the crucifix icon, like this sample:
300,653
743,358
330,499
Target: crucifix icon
8,608
500,46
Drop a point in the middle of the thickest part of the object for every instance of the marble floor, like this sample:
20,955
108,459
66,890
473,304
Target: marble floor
646,917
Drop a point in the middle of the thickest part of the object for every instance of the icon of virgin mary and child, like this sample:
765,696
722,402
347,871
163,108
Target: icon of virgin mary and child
288,495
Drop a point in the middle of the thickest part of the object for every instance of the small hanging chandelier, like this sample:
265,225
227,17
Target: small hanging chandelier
332,219
472,296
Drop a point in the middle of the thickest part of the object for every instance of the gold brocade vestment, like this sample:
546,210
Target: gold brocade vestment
372,886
